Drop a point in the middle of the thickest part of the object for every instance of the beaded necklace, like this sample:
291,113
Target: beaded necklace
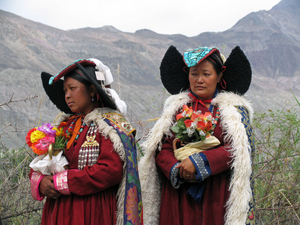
70,129
216,118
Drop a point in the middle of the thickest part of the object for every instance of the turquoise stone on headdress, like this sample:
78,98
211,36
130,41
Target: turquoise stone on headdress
195,56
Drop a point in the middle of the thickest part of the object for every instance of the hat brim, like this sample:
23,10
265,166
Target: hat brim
55,92
173,72
175,79
238,74
53,86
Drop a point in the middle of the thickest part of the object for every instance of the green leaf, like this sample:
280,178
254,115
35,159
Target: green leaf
179,136
175,129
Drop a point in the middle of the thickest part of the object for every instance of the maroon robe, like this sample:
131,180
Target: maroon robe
93,189
177,206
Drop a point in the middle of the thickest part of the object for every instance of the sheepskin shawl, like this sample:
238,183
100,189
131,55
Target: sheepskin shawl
235,133
108,132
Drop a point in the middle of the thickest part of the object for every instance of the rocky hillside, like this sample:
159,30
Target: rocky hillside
270,39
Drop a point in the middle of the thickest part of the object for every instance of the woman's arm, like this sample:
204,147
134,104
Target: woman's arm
106,173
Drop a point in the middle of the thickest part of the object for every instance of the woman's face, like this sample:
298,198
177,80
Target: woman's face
78,97
203,80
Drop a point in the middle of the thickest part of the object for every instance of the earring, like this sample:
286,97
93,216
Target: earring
92,97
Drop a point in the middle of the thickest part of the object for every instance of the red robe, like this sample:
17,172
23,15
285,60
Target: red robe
177,206
93,189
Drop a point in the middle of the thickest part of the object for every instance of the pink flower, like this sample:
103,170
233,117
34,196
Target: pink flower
47,129
44,143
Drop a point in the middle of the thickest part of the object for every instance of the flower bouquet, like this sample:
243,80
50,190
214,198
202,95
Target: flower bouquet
48,142
193,130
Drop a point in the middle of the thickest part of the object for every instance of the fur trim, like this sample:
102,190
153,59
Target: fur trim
147,169
108,132
240,189
238,203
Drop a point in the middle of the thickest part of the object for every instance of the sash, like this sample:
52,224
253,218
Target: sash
133,198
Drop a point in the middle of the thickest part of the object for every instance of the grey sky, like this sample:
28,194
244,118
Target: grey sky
189,17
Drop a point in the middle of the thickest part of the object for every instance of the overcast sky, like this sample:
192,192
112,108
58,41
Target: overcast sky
187,17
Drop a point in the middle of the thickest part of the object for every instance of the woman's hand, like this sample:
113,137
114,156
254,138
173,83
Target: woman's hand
47,188
187,169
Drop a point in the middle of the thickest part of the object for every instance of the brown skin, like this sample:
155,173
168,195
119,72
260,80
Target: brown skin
79,99
203,82
47,188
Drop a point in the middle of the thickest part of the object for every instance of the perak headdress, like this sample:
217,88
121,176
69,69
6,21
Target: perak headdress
53,85
174,74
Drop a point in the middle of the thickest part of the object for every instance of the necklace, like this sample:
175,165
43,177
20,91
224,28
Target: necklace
71,128
215,118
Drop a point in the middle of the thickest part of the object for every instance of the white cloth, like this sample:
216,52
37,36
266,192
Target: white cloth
105,70
43,164
121,105
195,147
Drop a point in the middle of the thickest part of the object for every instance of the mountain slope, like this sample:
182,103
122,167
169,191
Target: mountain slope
270,39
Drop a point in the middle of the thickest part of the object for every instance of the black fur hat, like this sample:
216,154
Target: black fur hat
174,74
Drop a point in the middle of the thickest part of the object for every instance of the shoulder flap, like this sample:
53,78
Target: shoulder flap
120,122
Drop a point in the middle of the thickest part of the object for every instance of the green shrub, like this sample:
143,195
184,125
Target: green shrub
277,167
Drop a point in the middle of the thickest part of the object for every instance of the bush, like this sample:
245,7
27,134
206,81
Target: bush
16,204
277,167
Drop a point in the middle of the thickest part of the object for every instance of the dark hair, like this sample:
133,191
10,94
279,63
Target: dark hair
216,61
78,75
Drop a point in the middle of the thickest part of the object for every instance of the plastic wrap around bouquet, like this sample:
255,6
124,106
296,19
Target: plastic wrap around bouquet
193,132
49,143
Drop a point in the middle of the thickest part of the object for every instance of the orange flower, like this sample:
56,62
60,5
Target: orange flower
207,114
62,124
188,123
208,125
201,125
28,140
194,116
189,112
185,108
179,116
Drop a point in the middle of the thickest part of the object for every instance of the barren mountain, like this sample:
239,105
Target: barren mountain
270,39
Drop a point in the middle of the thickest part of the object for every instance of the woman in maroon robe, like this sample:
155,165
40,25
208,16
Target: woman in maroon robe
95,188
210,187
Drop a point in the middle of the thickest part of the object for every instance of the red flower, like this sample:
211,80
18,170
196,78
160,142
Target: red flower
201,125
62,124
189,112
179,116
206,114
194,116
188,123
208,125
185,108
28,141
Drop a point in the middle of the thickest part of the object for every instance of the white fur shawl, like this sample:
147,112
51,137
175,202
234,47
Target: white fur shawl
108,132
238,203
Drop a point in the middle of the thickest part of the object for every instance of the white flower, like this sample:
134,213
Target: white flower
202,133
209,117
190,131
